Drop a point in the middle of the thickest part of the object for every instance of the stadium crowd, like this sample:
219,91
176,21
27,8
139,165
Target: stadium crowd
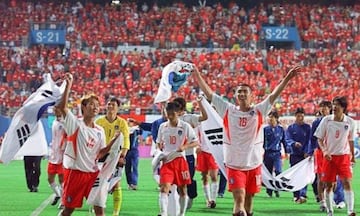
223,41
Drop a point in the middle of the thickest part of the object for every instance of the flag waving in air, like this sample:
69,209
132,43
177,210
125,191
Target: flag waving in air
173,76
25,120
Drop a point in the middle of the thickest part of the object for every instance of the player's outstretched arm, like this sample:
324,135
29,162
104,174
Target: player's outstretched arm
292,73
65,97
203,85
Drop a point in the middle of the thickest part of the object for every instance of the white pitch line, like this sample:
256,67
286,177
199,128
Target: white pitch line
42,206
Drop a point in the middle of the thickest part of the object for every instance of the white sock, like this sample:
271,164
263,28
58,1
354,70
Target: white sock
214,190
206,189
163,202
328,200
56,189
349,199
183,204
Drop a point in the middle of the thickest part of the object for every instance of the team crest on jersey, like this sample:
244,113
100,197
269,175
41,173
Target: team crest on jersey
180,132
346,127
116,127
252,112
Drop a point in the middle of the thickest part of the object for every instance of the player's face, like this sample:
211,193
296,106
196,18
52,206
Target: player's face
243,94
337,108
272,120
171,115
325,110
299,118
91,109
112,107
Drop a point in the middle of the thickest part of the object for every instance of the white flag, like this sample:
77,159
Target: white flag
212,132
292,179
38,137
99,190
26,118
173,76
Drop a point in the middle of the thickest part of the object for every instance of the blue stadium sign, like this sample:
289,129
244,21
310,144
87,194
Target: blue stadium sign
282,34
50,37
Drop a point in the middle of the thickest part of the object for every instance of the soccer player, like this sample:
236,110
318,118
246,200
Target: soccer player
243,138
298,137
174,137
335,136
274,137
113,124
194,121
55,164
86,144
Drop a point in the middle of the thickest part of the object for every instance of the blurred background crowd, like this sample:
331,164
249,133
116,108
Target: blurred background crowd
119,48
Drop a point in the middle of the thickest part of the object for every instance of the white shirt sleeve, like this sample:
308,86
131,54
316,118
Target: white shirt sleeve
219,104
71,123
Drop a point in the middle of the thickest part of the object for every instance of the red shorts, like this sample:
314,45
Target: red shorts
338,165
250,180
54,169
319,158
77,185
205,162
175,172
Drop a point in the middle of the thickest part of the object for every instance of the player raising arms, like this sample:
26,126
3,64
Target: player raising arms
243,149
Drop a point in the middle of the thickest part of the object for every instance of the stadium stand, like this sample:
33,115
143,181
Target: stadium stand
122,49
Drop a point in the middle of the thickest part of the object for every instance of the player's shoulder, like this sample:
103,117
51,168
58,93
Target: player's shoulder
100,120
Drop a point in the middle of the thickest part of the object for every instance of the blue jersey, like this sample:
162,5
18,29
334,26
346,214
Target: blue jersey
298,133
273,138
314,141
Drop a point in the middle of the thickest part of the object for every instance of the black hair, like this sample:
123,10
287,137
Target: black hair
342,100
181,101
244,85
299,110
274,113
114,99
172,106
325,104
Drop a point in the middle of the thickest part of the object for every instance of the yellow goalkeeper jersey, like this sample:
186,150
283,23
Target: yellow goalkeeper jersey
110,128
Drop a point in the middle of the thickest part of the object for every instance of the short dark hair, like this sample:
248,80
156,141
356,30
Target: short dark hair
342,100
181,101
244,85
114,99
325,103
299,110
274,113
172,106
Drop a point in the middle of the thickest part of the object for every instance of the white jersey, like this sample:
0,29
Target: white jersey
58,141
174,137
84,144
243,133
336,135
193,120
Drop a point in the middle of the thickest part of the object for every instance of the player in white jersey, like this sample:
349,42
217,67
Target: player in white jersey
194,120
86,144
174,137
243,139
55,164
336,139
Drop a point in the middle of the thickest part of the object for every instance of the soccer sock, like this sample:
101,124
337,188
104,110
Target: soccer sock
56,189
349,199
163,201
117,197
206,189
214,189
328,200
183,203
